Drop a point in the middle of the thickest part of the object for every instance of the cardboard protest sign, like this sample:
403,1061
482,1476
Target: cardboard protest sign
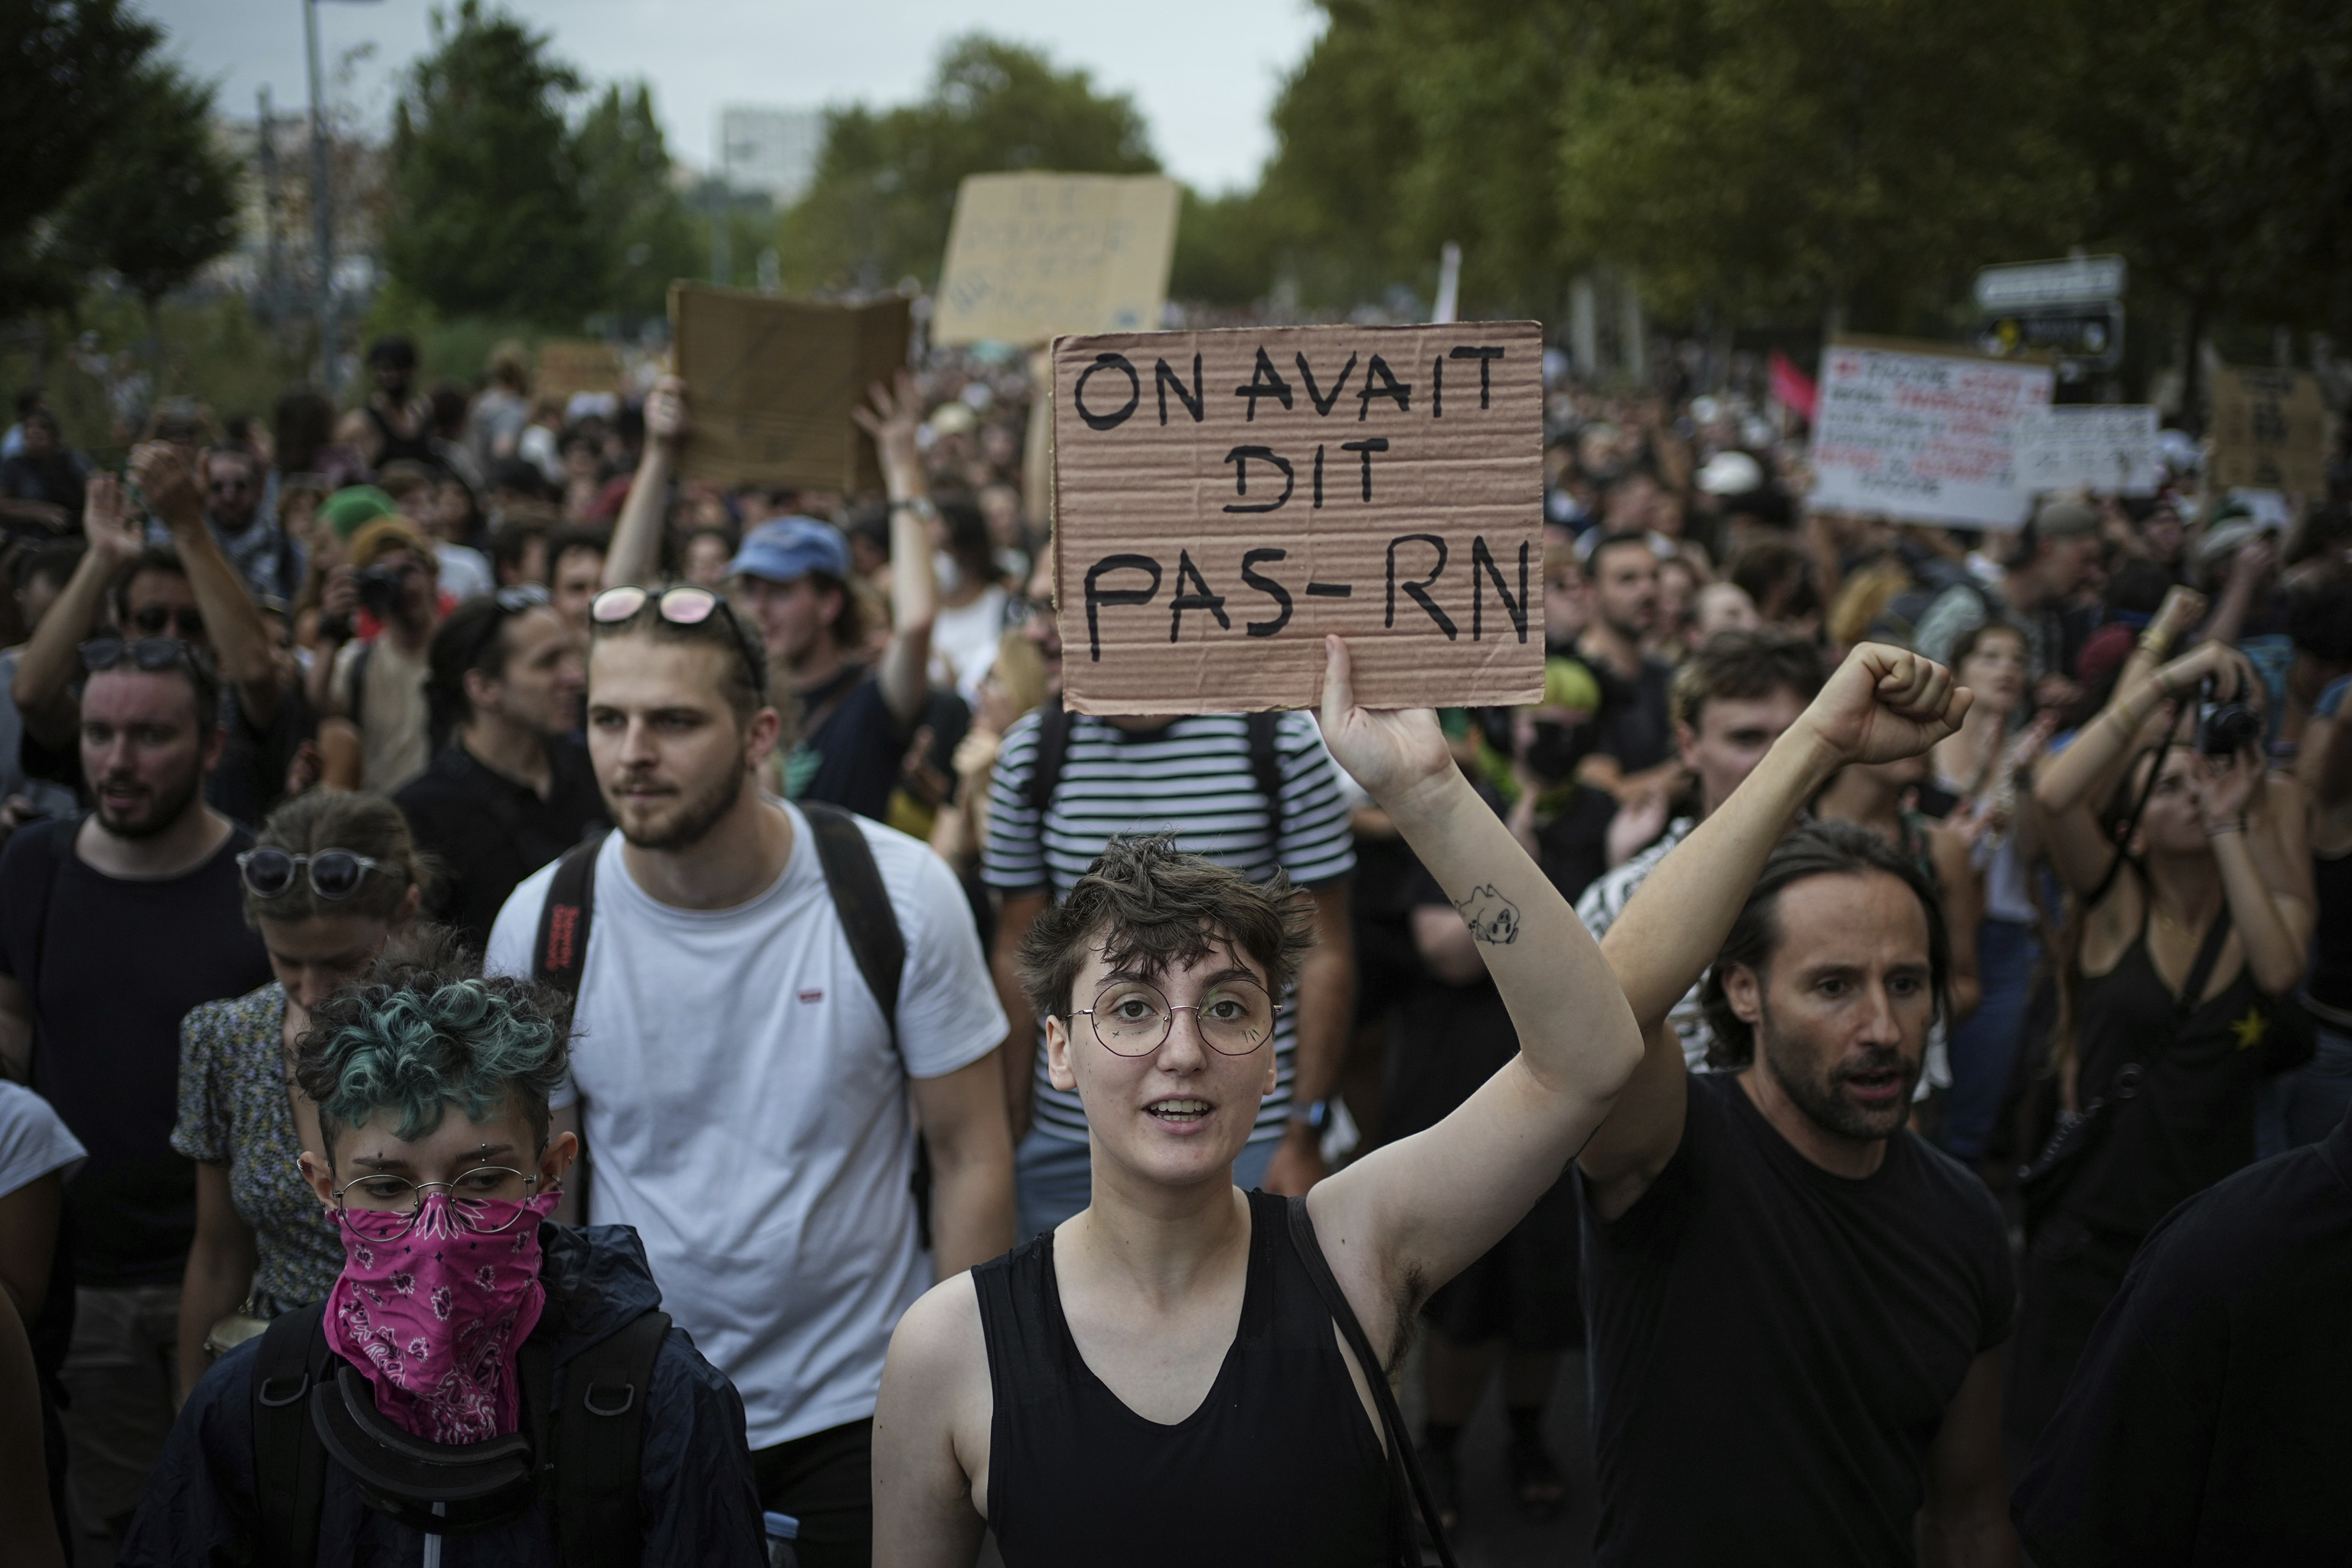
772,382
2270,431
1032,256
1923,430
2106,447
1222,499
569,366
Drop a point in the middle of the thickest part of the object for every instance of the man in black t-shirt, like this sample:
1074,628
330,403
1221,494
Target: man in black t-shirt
1635,752
2205,1424
1794,1303
513,790
112,926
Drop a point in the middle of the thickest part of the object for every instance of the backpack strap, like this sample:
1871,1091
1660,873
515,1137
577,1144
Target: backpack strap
863,904
1406,1483
357,702
561,948
289,1462
1265,730
599,1449
1052,750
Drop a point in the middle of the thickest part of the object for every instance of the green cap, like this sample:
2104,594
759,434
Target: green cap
348,510
1568,684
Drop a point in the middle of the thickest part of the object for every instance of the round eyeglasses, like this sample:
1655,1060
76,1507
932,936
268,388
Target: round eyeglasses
467,1194
1133,1019
335,873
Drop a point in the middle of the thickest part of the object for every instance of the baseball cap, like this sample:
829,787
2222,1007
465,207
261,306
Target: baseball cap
1730,473
348,510
790,548
2065,517
380,538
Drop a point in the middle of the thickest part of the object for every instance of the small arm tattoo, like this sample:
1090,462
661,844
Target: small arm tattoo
1492,918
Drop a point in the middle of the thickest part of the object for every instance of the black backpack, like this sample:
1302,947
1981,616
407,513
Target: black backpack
589,1454
859,899
1263,730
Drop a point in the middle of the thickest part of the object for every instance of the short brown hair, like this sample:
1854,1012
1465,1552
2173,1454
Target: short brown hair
1148,907
1743,666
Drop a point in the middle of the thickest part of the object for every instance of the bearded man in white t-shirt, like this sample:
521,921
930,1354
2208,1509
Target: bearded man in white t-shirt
741,1097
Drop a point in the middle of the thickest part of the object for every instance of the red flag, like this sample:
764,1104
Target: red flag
1793,387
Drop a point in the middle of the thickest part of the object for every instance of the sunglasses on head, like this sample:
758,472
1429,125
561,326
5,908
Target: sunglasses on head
145,653
511,601
680,606
335,873
157,619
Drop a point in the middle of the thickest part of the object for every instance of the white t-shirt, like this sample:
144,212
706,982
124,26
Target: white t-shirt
964,642
33,1140
745,1112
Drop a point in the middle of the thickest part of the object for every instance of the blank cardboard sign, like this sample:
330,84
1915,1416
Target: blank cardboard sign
567,366
2270,431
771,382
1222,499
1032,255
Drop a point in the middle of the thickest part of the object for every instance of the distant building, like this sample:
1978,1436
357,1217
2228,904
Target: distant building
770,150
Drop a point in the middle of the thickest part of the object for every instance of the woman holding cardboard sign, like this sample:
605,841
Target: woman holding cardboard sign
1178,1329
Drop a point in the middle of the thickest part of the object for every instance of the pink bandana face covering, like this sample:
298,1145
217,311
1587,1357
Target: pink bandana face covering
433,1316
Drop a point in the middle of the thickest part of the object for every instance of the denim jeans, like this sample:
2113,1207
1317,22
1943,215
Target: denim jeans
1984,1048
1055,1176
2307,1104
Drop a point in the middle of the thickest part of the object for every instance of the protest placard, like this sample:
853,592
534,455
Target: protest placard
1923,430
569,366
2270,431
772,381
1222,499
1031,257
2110,447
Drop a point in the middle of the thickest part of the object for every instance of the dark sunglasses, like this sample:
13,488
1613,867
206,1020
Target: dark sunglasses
146,653
335,873
157,619
680,606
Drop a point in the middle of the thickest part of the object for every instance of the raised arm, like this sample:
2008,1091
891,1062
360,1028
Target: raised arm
914,593
1415,1213
233,621
636,538
47,669
1881,704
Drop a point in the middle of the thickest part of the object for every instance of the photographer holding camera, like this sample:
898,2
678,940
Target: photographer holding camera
379,614
2194,898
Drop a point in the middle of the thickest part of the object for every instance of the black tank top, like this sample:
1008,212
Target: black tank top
1279,1464
394,446
2331,936
2192,1121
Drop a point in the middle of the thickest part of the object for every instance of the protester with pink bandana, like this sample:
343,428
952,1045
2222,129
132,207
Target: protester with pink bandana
458,1304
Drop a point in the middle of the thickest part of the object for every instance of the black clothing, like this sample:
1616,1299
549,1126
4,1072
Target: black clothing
61,478
394,446
249,781
1636,717
2192,1123
488,832
1279,1464
2206,1425
2330,984
695,1496
1572,843
826,1482
1774,1347
855,746
109,967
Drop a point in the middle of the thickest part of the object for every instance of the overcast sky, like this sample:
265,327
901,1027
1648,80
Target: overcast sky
1203,72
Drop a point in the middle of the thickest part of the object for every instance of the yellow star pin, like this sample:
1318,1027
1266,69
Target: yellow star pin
2250,1028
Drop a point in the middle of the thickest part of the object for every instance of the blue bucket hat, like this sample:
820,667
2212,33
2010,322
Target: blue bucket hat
791,547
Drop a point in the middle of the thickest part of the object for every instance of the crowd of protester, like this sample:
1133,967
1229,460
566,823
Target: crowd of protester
436,817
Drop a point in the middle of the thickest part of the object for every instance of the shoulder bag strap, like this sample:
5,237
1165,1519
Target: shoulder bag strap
289,1462
2209,954
1404,1468
600,1440
1052,750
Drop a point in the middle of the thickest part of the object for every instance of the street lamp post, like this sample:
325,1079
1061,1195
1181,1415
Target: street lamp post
322,207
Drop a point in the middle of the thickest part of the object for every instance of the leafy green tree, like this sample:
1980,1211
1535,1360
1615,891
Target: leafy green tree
885,183
487,215
624,186
69,70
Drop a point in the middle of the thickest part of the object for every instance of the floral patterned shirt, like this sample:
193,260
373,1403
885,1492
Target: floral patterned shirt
234,1112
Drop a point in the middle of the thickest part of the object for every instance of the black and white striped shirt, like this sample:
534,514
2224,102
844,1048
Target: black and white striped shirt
1192,779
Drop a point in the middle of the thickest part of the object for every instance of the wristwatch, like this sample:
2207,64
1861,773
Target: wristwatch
1314,1113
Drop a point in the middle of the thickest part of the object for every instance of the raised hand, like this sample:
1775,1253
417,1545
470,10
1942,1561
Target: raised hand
1391,752
106,520
666,420
2183,609
892,421
1883,704
168,482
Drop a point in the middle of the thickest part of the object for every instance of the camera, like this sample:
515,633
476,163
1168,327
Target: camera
380,589
2225,729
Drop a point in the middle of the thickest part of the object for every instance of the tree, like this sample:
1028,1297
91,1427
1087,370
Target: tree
161,200
68,69
486,215
885,183
625,188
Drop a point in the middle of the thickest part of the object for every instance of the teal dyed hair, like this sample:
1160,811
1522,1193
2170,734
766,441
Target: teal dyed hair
423,1030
